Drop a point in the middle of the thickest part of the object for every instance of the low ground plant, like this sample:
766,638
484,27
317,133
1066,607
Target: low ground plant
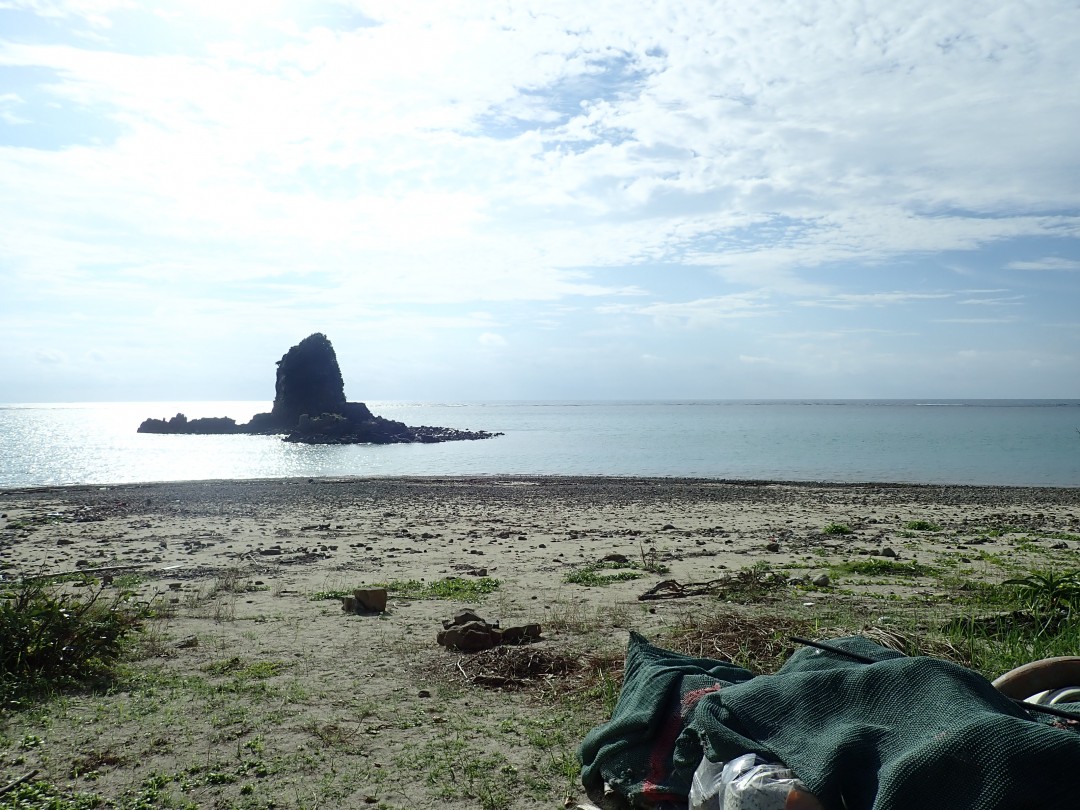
1025,619
592,574
42,794
458,589
1047,594
758,583
54,640
886,567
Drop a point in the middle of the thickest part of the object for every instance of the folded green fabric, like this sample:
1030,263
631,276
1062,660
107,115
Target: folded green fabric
900,734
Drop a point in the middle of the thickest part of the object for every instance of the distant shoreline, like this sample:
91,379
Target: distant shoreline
696,488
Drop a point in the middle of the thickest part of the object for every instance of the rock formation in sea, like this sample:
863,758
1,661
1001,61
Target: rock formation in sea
310,407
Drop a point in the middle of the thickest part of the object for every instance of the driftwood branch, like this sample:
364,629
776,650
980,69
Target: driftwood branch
672,589
101,570
10,786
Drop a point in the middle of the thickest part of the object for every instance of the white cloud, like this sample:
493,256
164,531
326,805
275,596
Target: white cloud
8,103
757,361
975,320
51,357
1048,263
492,340
693,164
95,12
1009,301
697,313
879,299
382,133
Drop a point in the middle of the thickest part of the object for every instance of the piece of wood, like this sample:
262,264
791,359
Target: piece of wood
100,570
10,786
672,589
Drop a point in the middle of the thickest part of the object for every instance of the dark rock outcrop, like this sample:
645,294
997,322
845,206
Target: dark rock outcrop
181,424
310,407
308,382
469,633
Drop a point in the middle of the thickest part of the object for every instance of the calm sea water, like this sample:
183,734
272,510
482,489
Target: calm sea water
1003,442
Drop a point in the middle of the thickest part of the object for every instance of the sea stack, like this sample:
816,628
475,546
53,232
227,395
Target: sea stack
308,381
310,407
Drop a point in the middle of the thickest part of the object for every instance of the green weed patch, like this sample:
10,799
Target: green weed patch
455,588
42,794
243,670
884,568
591,574
55,640
1047,593
458,589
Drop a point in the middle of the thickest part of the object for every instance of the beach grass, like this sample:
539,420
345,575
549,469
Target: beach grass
54,639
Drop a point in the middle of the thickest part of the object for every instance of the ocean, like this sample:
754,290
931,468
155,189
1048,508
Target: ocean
988,442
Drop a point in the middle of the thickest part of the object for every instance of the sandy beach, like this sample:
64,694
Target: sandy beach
255,674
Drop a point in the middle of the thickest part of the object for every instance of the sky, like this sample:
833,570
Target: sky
541,199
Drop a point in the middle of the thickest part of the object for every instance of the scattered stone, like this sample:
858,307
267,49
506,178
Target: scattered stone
469,633
462,617
470,636
822,581
365,600
521,634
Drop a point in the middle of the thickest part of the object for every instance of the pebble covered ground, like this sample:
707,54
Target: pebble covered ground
256,690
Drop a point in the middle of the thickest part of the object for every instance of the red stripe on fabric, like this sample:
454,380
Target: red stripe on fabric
665,747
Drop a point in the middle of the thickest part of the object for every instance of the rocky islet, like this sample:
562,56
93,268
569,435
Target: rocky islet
310,408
